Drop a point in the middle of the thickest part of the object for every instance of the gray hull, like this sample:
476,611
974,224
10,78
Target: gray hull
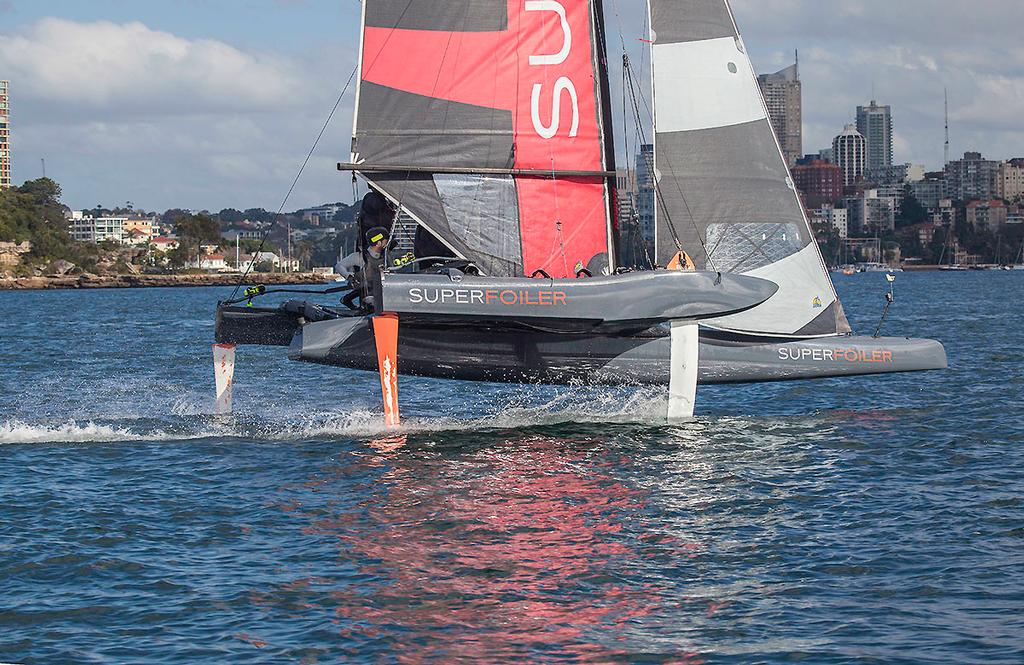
523,356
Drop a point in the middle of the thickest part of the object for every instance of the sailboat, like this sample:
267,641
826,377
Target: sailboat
489,124
1019,263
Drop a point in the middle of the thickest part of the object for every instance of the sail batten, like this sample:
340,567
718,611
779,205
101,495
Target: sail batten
490,88
725,191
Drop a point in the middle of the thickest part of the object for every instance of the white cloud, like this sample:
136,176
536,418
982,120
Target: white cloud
128,66
122,111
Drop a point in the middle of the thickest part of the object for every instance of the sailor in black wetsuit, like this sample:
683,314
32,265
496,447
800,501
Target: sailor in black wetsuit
374,223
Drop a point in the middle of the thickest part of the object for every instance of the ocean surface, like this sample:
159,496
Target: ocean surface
875,520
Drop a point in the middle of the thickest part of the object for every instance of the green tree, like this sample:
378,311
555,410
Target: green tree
33,212
197,229
912,212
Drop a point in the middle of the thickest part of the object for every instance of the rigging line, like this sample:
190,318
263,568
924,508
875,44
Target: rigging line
679,189
295,182
643,138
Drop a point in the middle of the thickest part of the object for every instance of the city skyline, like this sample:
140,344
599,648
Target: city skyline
229,126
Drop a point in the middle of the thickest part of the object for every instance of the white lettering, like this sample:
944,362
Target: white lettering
552,6
415,296
549,131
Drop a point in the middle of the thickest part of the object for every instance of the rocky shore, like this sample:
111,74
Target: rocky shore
88,281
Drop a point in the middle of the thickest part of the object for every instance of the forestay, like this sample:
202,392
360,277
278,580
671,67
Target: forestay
724,190
511,85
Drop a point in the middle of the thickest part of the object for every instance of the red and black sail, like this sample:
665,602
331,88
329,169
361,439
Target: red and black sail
495,88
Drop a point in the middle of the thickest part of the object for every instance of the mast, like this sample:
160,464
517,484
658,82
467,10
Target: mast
604,90
946,95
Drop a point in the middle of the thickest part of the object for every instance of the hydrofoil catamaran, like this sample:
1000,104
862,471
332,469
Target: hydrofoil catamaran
489,123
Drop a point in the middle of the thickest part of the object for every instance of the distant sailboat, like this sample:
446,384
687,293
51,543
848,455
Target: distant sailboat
489,124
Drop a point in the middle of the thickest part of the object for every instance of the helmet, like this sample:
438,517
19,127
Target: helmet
376,234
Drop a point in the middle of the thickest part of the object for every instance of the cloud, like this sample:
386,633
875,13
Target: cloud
129,67
121,111
127,111
904,54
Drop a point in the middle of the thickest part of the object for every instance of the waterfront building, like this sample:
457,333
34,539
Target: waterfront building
1011,179
139,230
868,212
930,190
164,243
5,136
646,194
895,174
944,214
208,262
988,215
973,178
835,217
625,195
322,214
820,182
784,98
874,123
895,192
850,150
86,228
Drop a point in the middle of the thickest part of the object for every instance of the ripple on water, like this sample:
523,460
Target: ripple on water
839,521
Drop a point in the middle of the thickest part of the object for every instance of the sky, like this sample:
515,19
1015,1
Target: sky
209,104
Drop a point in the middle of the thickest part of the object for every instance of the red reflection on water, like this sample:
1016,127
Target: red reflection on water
519,551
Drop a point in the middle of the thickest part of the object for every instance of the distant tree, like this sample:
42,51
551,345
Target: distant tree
198,229
173,215
259,215
912,212
33,212
230,216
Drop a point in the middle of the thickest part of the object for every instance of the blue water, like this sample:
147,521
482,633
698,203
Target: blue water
875,520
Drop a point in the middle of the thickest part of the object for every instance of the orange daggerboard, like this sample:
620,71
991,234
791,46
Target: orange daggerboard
385,333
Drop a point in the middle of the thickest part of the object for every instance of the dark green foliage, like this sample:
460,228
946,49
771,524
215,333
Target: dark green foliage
200,228
911,213
33,212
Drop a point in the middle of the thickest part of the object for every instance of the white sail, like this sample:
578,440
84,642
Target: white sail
725,194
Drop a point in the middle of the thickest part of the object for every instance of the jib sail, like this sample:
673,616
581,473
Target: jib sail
483,120
725,194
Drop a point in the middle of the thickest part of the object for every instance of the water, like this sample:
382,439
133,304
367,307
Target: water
874,520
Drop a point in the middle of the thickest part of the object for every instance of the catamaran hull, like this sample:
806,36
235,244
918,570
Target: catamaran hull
516,356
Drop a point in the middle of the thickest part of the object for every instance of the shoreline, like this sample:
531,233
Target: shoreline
76,282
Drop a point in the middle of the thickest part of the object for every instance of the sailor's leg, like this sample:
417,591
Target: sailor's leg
682,389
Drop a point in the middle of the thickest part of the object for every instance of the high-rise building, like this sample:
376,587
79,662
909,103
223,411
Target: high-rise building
784,98
5,137
897,174
929,191
874,122
821,183
973,178
1011,179
870,213
646,193
850,152
988,215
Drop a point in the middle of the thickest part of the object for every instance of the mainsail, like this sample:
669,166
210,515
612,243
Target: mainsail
484,120
724,191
